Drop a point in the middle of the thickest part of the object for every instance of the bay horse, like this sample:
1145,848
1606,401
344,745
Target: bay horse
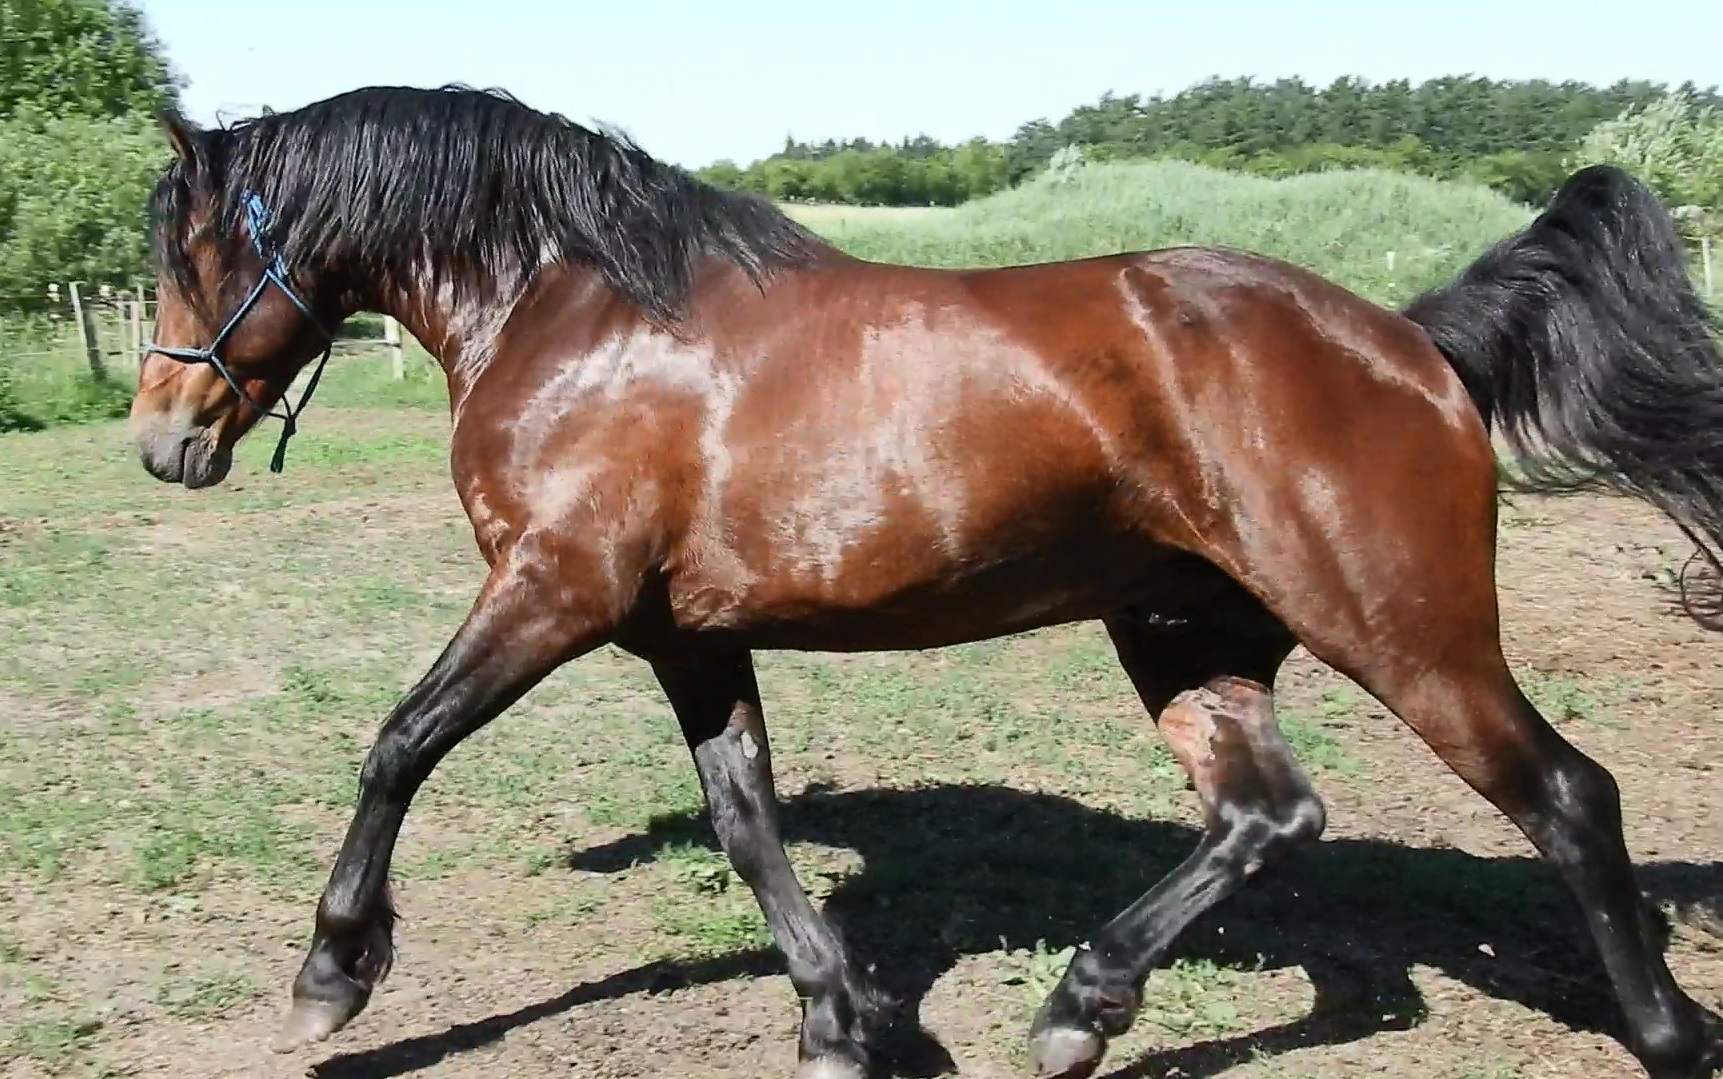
685,426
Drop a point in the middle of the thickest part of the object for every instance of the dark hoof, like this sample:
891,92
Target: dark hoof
1711,1063
1069,1035
1709,1060
325,999
311,1021
1066,1053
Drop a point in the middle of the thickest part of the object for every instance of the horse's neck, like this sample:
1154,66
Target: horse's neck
462,329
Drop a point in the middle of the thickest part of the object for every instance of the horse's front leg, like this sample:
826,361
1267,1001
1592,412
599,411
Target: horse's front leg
717,703
532,615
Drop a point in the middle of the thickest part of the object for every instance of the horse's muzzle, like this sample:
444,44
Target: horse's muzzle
183,455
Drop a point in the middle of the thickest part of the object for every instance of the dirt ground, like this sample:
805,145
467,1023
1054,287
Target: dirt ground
192,681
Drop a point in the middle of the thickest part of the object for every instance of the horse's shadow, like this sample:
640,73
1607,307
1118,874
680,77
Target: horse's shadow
951,871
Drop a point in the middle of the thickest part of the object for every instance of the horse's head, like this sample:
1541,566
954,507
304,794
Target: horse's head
232,328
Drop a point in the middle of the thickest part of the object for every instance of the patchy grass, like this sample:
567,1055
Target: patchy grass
1564,698
54,1043
205,996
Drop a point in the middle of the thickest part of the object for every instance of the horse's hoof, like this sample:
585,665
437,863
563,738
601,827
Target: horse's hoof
1681,1062
309,1022
830,1068
1712,1062
1066,1053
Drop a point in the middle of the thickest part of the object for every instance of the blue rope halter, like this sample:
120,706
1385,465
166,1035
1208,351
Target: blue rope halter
274,271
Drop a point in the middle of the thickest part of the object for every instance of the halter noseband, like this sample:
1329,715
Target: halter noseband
274,271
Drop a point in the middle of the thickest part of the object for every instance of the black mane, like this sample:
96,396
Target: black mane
472,185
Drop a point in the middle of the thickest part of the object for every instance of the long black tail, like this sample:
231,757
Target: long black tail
1584,342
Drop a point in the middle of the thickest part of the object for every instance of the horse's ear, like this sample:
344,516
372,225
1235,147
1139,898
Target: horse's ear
181,135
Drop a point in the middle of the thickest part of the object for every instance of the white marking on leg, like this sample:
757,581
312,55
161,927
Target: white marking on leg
828,1068
1065,1051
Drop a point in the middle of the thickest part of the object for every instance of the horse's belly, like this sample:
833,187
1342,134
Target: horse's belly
913,601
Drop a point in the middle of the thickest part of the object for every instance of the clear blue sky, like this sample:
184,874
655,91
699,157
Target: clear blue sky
698,80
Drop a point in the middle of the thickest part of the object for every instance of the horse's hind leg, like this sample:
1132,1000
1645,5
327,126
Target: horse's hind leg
717,702
1411,615
1469,709
1209,691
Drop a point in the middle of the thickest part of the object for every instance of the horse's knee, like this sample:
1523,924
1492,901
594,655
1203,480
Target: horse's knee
1298,819
1250,783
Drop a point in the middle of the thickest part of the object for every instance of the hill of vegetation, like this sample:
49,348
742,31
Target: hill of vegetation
1340,224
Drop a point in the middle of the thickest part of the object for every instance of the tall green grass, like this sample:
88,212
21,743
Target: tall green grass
45,380
1340,224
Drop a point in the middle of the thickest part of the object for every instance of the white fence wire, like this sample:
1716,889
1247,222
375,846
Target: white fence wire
106,328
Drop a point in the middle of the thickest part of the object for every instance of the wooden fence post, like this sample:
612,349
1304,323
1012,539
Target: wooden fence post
87,331
134,331
1705,258
392,338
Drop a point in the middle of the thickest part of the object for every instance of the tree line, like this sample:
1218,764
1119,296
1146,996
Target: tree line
915,172
1513,135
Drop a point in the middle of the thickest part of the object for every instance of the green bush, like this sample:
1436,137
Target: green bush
94,58
72,197
1676,145
80,83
